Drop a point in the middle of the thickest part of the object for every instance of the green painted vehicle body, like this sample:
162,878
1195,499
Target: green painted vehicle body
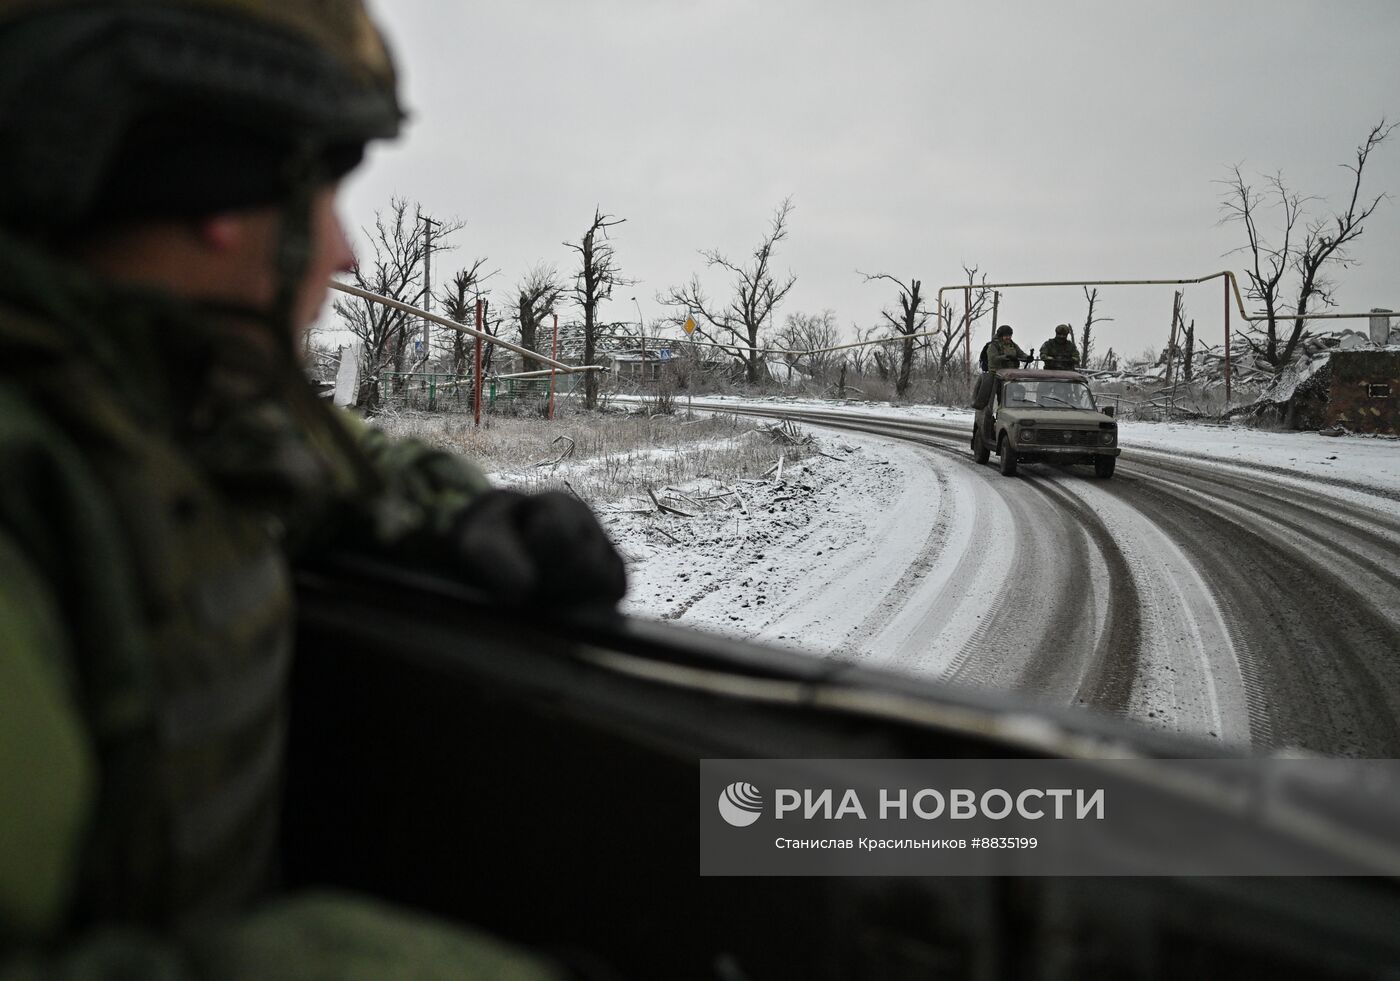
1046,417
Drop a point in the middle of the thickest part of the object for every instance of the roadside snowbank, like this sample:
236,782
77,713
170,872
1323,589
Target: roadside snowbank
752,555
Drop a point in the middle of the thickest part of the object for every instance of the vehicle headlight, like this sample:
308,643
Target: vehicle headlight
1028,435
1108,438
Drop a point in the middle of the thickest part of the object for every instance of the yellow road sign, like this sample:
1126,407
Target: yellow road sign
690,325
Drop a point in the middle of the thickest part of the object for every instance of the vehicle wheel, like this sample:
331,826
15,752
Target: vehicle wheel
1103,466
980,453
1008,458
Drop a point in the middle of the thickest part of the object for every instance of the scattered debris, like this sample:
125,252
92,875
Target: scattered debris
666,508
667,534
787,432
743,505
568,452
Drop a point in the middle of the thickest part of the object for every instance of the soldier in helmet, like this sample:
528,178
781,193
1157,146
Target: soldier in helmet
167,227
1002,351
1059,353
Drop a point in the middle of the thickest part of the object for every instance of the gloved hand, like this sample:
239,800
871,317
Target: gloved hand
548,546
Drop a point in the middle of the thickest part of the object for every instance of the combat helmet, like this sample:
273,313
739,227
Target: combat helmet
129,108
1062,330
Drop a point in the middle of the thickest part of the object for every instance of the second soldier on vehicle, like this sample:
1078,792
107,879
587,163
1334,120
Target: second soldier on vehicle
1059,353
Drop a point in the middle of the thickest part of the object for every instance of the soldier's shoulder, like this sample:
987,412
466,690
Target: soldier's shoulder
38,455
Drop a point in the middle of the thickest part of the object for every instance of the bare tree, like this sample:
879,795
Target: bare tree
806,334
882,362
459,303
597,275
1326,239
953,326
536,297
1305,248
861,359
911,318
736,327
394,269
1086,338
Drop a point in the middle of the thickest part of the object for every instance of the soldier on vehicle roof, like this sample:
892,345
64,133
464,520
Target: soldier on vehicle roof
167,228
1002,351
1059,353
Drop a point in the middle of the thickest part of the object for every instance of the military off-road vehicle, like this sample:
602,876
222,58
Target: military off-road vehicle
1045,417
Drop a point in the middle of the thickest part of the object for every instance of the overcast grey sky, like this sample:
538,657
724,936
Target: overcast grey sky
1035,140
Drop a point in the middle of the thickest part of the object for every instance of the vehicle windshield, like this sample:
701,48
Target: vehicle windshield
1048,394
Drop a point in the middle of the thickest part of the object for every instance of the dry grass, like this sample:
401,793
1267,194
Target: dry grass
614,456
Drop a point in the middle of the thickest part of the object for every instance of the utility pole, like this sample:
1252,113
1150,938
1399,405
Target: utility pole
555,355
1171,336
642,334
427,281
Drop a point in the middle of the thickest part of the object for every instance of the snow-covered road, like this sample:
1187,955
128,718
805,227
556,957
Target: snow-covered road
1257,606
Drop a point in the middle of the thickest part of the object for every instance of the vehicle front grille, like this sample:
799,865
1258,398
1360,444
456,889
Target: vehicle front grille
1067,437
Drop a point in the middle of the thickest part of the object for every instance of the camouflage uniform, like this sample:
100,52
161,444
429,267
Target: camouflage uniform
1001,352
162,467
159,473
1059,353
1004,353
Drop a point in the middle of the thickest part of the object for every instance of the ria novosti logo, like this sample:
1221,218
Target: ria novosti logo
740,804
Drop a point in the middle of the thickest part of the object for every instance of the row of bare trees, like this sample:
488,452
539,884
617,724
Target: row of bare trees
735,325
740,326
401,247
1292,254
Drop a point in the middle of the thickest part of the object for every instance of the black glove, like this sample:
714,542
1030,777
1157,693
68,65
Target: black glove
523,547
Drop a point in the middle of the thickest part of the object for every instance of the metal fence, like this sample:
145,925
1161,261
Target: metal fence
429,391
447,392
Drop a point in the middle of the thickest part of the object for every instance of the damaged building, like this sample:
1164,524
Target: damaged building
1357,390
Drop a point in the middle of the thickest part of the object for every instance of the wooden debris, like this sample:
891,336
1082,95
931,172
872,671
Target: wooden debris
743,506
786,432
677,495
667,534
666,508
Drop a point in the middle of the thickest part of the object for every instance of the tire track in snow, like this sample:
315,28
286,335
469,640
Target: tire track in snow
1279,629
1318,654
1187,671
856,644
1112,668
